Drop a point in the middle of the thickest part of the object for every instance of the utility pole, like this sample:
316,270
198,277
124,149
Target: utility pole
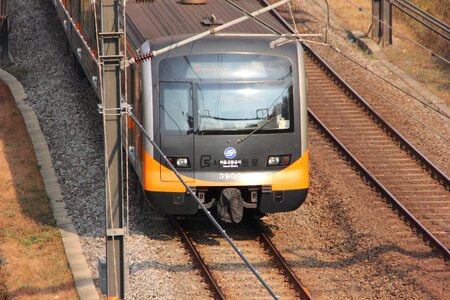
382,21
111,60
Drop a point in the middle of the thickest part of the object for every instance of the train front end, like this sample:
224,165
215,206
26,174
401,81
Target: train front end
230,113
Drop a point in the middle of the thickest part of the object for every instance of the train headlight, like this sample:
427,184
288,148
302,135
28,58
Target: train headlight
273,161
182,162
179,162
278,160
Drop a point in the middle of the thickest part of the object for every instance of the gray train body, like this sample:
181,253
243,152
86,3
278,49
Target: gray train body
228,110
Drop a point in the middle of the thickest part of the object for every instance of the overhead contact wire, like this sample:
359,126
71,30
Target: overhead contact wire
400,109
439,111
151,54
395,86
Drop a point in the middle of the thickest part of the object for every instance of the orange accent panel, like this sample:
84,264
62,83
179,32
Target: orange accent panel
169,175
294,177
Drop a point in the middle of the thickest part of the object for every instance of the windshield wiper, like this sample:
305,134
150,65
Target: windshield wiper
260,127
215,130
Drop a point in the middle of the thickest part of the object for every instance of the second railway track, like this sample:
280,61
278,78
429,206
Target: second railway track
415,186
414,181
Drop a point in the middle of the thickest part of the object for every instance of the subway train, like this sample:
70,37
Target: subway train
228,110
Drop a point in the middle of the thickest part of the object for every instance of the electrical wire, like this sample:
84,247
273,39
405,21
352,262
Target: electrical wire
386,100
293,18
361,9
400,109
393,104
439,111
202,206
380,77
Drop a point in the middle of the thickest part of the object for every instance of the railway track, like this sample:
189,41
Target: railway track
224,271
405,177
415,187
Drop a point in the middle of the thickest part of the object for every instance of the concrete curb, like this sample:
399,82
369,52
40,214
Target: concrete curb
369,46
77,261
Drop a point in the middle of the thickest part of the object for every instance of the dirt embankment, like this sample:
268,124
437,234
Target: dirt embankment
33,264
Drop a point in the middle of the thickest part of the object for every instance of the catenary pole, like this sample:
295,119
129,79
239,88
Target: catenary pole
110,60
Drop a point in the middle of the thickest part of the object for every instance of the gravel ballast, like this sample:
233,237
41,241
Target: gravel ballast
67,111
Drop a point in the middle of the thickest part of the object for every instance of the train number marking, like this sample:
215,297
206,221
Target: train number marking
228,176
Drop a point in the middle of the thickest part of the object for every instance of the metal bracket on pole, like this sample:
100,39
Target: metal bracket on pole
382,21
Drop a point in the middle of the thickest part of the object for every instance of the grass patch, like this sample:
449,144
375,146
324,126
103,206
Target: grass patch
34,265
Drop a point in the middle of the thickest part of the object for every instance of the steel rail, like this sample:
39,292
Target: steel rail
267,244
445,180
288,272
209,278
425,14
404,9
201,205
380,187
441,176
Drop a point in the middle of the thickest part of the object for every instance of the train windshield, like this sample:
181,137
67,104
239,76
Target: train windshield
236,93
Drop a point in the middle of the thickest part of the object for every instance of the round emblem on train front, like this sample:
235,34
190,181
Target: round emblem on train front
230,153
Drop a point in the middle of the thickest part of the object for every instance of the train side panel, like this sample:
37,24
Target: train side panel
78,22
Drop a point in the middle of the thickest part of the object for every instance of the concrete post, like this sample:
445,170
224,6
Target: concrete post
382,22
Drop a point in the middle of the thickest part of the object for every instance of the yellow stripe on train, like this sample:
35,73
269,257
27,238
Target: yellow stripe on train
294,177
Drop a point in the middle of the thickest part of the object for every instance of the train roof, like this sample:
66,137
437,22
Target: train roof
163,18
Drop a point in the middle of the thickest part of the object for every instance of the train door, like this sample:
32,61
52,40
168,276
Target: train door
176,115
